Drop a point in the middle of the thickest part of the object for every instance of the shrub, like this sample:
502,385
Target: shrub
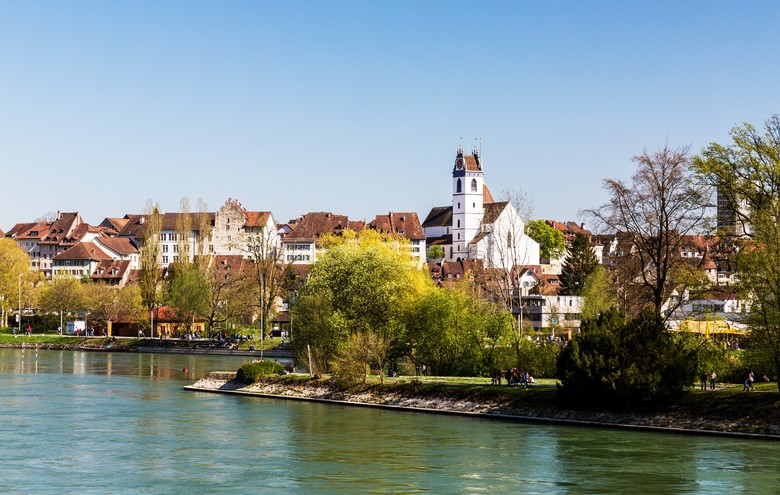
252,372
635,362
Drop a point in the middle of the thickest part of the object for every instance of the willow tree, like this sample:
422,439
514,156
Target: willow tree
653,213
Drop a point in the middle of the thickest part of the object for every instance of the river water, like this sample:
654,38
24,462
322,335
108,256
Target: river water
88,422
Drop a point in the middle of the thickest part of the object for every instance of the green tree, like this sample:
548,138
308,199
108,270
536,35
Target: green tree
106,303
361,283
453,334
760,275
580,262
654,213
362,352
598,294
746,174
189,293
552,243
13,262
63,295
634,362
436,252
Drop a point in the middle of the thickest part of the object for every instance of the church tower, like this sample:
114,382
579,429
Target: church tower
467,202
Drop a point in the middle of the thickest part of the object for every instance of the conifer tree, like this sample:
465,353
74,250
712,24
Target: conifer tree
580,262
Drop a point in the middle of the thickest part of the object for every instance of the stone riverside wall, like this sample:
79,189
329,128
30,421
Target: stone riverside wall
322,392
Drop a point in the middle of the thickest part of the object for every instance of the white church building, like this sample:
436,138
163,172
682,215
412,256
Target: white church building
476,226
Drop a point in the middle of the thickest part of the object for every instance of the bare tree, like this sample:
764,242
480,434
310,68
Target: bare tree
269,271
655,211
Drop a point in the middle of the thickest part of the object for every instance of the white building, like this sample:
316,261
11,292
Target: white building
476,226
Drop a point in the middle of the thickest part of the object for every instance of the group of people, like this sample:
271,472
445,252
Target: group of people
513,377
712,377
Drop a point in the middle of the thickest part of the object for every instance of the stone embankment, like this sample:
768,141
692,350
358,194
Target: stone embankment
481,406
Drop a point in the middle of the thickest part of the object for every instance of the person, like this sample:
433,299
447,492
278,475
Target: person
713,377
749,382
29,330
703,380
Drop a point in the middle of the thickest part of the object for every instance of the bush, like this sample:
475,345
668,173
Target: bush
635,362
254,371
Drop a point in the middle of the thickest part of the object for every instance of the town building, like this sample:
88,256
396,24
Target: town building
475,225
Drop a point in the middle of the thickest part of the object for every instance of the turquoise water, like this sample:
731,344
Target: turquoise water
84,423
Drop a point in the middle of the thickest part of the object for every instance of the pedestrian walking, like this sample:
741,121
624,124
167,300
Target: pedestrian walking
713,377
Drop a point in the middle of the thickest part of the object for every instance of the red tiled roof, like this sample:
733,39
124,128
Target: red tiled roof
120,245
34,230
316,224
486,196
83,251
105,270
257,218
406,225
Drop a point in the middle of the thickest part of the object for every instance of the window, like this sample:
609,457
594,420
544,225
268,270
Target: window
163,237
458,223
165,248
473,185
458,187
165,260
175,248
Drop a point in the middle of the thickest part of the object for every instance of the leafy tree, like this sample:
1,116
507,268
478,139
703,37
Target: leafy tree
361,283
760,275
453,334
745,174
320,332
13,262
189,292
552,243
62,295
633,362
436,252
654,213
106,303
598,294
363,351
580,262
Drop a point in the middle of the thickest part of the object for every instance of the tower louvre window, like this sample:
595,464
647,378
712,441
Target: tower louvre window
473,185
458,186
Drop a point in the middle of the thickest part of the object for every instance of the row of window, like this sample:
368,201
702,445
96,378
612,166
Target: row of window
298,257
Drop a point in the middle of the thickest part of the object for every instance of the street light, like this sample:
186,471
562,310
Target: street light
19,321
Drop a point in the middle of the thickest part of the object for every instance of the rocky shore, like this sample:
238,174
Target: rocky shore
488,407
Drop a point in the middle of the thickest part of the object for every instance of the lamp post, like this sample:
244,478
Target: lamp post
19,322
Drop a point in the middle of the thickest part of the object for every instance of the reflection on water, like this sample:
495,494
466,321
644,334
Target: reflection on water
78,422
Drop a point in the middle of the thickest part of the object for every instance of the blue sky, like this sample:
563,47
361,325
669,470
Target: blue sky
358,107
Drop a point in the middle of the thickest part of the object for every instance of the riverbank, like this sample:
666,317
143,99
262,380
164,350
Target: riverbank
533,404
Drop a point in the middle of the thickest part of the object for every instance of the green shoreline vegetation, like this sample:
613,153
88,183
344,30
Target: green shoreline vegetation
725,409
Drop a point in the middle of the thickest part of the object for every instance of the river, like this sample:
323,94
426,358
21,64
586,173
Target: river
94,423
